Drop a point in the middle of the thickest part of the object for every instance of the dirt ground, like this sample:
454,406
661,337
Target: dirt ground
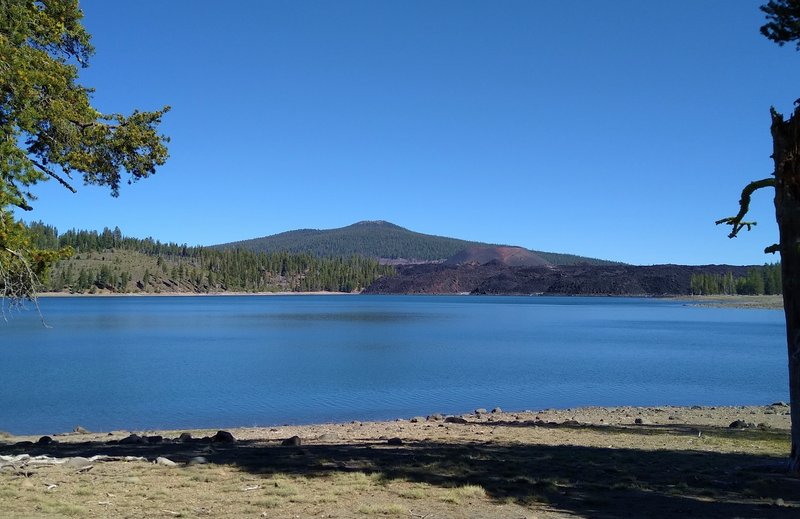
590,462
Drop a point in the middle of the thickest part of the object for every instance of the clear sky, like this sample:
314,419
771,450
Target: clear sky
612,129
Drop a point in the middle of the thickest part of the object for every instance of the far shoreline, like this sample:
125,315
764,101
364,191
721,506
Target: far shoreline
192,294
761,302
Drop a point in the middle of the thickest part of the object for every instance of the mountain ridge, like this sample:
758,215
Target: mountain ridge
384,240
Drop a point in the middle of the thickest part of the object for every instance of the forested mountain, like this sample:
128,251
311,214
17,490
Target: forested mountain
378,239
108,261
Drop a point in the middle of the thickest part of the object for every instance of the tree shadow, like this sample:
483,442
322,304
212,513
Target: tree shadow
587,481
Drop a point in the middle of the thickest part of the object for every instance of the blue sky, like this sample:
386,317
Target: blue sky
612,129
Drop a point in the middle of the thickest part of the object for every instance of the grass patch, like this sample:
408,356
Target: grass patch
387,509
413,493
466,492
266,502
67,509
470,491
281,488
356,479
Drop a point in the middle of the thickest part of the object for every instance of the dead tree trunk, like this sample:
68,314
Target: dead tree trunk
786,154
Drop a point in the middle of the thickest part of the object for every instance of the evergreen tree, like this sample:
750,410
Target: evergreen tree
50,130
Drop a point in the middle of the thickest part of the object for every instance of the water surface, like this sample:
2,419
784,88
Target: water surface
188,362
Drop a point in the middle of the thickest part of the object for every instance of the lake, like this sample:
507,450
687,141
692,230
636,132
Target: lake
135,363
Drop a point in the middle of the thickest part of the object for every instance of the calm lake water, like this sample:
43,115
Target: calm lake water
189,362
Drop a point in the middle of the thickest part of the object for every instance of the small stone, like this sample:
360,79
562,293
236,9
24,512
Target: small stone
78,462
80,430
394,441
481,411
780,502
435,417
739,424
198,460
639,421
496,410
166,462
695,407
455,419
780,404
570,422
132,439
328,437
155,439
672,417
223,437
417,419
185,437
294,441
44,440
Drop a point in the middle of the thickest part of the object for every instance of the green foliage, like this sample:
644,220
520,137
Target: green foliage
22,264
783,24
378,239
758,281
49,129
108,260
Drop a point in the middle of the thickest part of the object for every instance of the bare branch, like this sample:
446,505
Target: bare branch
50,173
19,283
744,205
772,249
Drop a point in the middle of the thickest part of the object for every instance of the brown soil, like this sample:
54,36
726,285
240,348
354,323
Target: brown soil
592,462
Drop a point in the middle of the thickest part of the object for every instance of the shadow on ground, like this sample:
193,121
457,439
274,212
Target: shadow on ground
586,481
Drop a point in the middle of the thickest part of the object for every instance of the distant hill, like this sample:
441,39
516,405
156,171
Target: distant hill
110,262
380,239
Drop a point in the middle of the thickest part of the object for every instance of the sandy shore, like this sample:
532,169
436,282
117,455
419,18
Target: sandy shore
435,427
589,462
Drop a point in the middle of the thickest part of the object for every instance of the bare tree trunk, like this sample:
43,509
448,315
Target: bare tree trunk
786,154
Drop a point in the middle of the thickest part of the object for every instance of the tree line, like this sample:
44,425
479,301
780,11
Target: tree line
110,261
758,281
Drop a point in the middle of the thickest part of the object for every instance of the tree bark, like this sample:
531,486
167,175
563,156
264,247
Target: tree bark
786,154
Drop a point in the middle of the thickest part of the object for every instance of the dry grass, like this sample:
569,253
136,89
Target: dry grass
499,469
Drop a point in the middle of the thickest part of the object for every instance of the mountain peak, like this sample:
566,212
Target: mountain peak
376,223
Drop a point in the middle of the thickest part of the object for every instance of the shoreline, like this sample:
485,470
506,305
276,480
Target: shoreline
760,302
764,302
772,416
193,294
